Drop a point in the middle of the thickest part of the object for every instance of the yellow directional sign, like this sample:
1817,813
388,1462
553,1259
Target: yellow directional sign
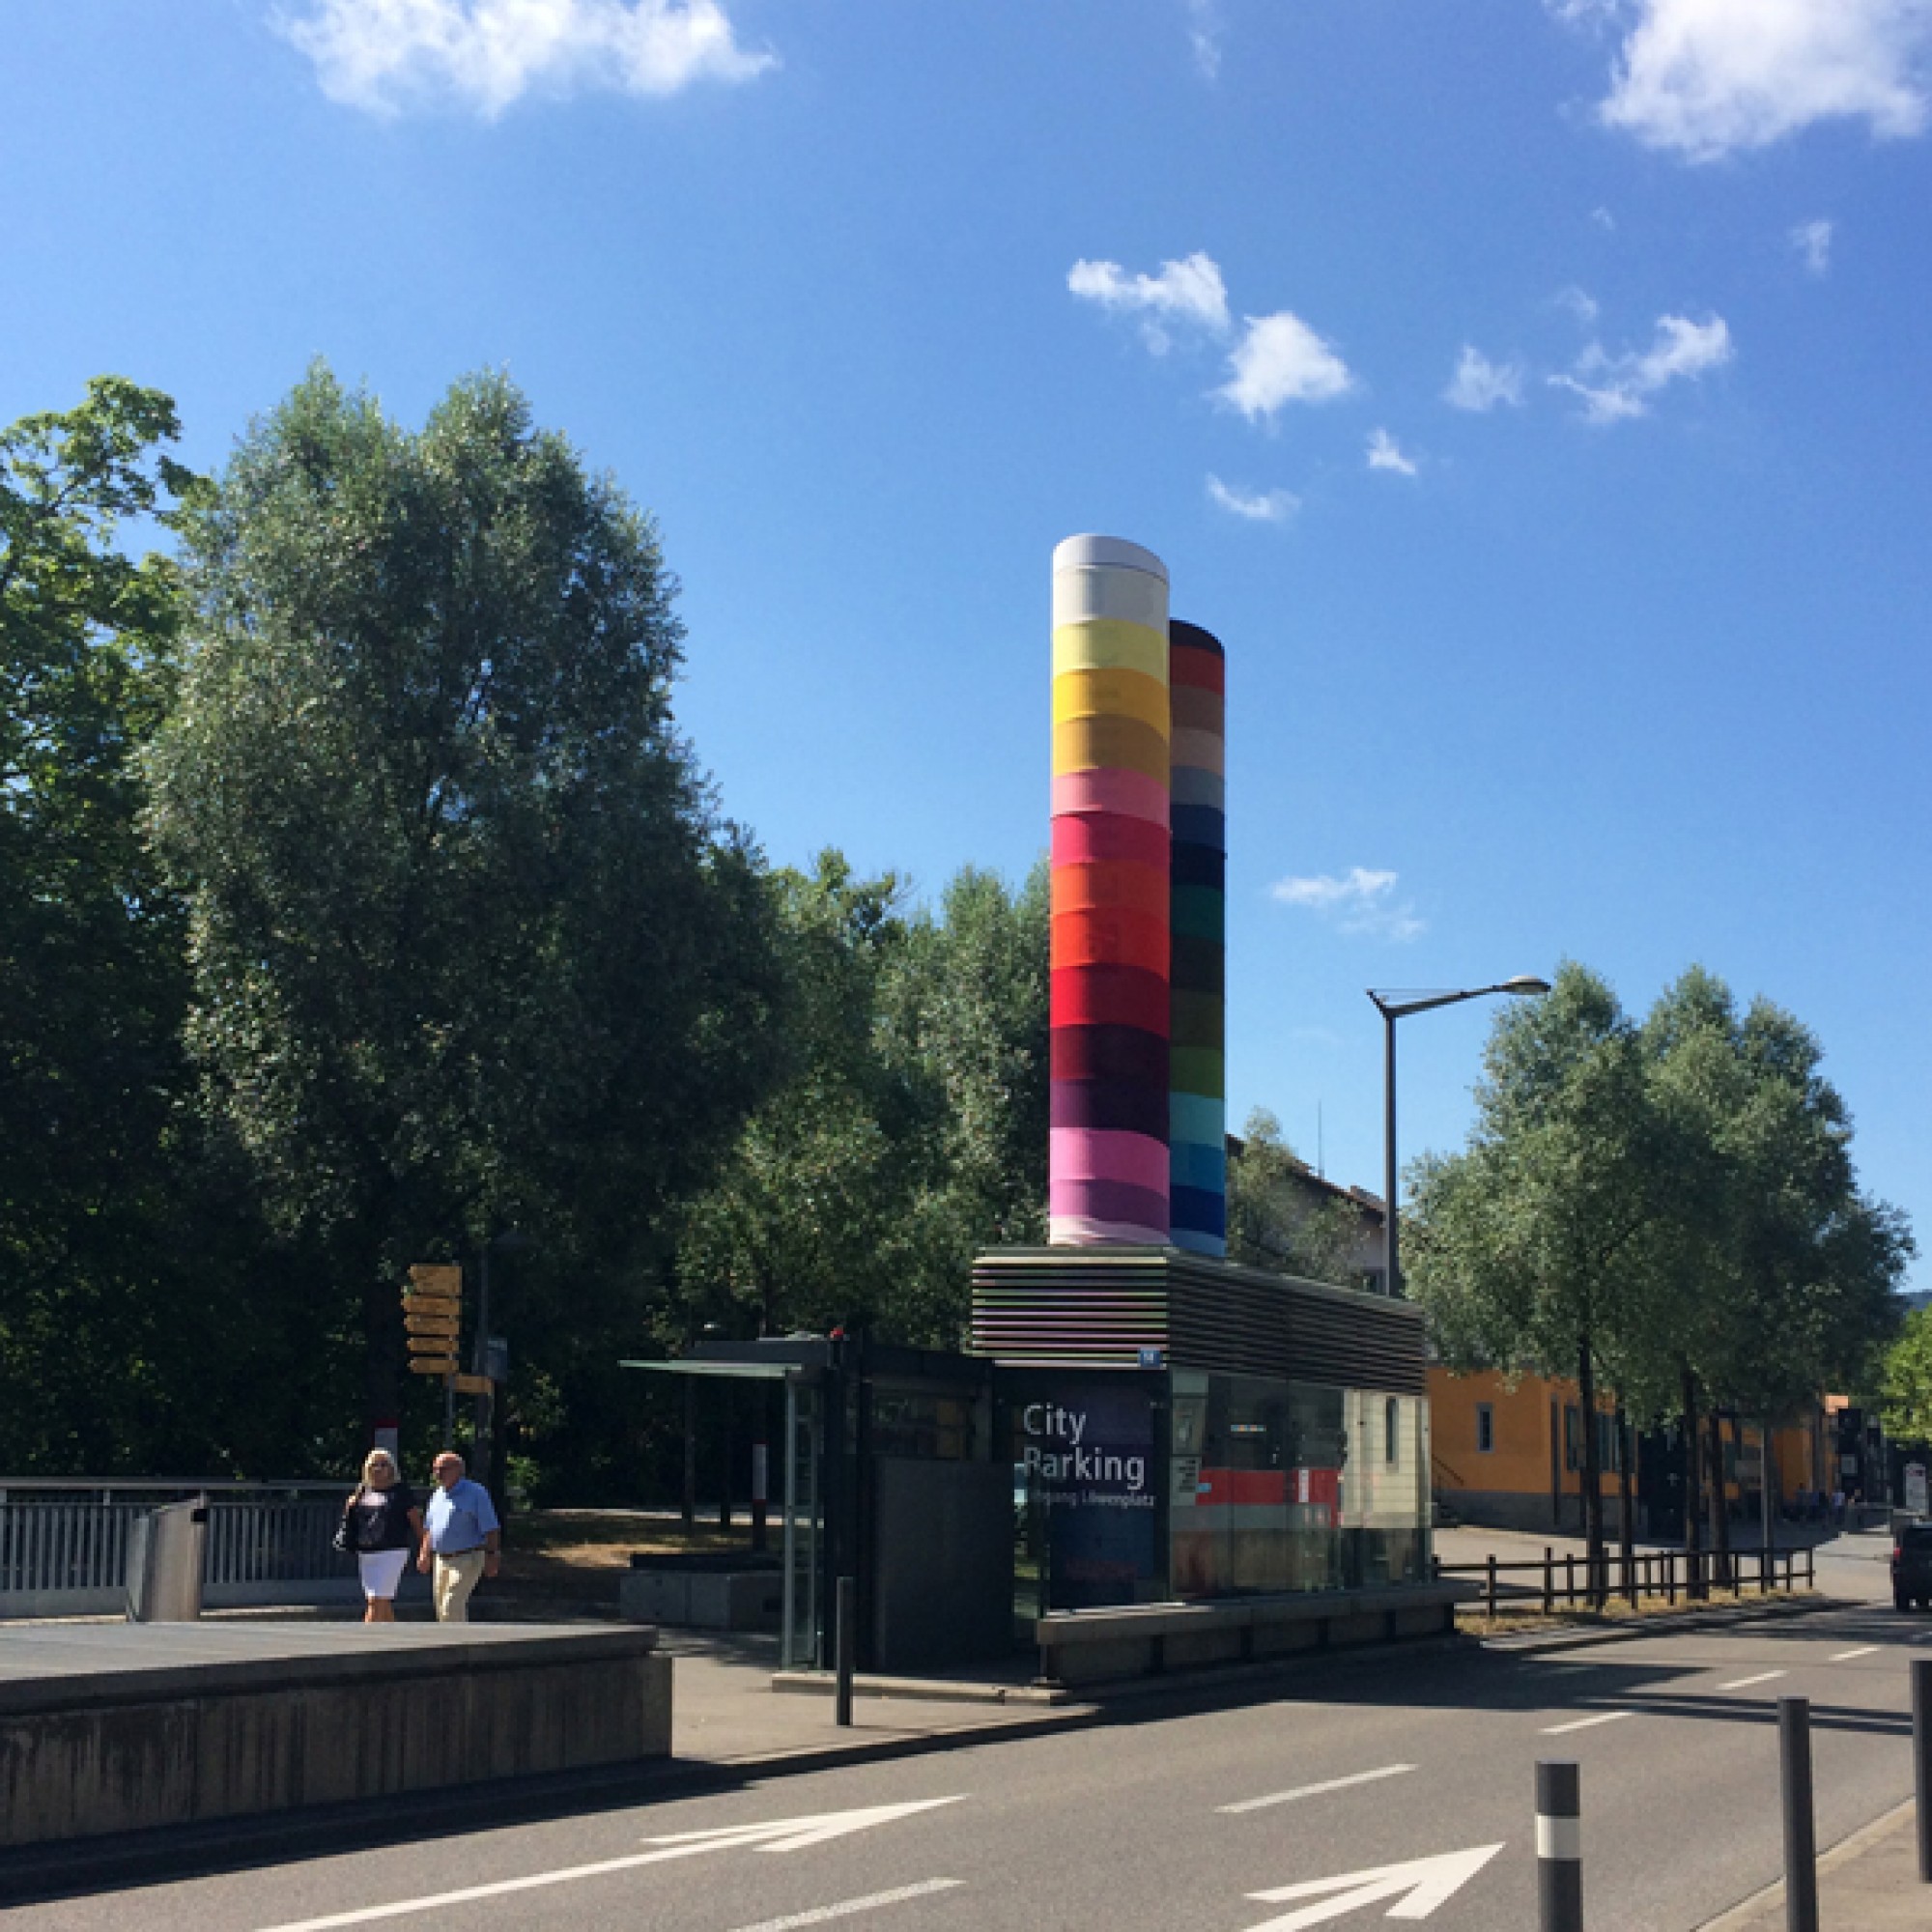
431,1345
433,1365
474,1385
443,1278
429,1325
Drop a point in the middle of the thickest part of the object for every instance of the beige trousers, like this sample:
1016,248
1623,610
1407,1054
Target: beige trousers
455,1577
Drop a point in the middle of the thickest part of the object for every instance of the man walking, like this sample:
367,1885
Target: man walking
461,1537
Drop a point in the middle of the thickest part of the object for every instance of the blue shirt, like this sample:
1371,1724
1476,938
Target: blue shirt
459,1518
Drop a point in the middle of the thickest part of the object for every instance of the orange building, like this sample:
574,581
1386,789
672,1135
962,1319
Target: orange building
1511,1454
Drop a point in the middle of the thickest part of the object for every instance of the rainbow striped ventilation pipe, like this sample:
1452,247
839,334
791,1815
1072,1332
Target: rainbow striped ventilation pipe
1109,1163
1198,1096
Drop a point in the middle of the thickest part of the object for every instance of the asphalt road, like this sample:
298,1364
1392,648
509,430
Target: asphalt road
1177,1818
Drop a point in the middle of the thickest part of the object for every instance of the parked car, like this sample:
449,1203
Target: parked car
1912,1565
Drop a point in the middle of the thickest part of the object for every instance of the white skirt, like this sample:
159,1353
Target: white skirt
381,1570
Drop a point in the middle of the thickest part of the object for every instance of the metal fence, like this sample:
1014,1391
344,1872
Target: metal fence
1666,1574
64,1545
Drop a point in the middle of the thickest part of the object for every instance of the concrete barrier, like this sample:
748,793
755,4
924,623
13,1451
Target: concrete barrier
125,1728
1148,1639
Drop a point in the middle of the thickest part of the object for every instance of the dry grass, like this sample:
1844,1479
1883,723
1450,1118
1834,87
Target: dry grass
581,1553
1515,1617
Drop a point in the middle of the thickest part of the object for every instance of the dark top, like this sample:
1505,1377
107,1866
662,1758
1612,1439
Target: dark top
380,1518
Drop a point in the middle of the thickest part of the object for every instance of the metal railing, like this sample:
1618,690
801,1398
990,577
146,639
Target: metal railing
64,1545
1571,1580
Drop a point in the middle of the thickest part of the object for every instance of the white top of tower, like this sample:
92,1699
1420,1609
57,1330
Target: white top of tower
1084,552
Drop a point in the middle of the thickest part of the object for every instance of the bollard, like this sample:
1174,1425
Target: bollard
847,1636
1492,1587
1921,1759
1801,1831
1559,1847
1549,1582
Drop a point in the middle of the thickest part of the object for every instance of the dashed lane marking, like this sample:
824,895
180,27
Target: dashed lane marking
1745,1683
846,1906
1314,1790
1846,1656
1585,1723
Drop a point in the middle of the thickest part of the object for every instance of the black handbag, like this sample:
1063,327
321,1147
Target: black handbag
343,1542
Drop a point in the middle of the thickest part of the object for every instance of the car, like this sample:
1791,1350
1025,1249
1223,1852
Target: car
1912,1565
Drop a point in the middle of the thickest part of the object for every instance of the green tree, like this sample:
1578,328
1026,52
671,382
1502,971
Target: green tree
91,973
804,1223
1278,1218
1534,1249
1905,1381
965,1013
1783,1272
470,946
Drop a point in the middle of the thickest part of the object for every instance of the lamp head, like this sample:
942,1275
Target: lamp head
1524,983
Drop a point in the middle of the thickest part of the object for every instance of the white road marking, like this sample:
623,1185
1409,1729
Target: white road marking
1846,1656
1585,1723
1745,1683
1418,1888
844,1910
783,1835
1314,1790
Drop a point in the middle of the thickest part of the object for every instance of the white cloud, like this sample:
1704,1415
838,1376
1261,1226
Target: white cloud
1279,360
1604,220
1386,453
1256,506
1616,388
1204,36
1709,78
1360,901
1579,302
1813,240
1480,385
384,55
1188,291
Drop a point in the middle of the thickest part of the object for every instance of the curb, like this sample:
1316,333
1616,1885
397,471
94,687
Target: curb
1860,1841
1573,1636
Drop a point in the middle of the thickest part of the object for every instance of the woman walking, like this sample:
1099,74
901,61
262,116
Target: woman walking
383,1522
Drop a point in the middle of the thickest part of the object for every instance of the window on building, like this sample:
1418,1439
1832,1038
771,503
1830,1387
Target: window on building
1391,1431
1486,1427
1573,1437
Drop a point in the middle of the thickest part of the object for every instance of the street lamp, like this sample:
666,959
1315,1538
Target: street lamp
483,1448
1396,1004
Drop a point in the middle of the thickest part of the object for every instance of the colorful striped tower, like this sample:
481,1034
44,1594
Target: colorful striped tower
1198,1095
1108,1167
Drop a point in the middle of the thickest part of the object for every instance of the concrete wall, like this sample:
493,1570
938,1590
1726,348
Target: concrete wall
192,1743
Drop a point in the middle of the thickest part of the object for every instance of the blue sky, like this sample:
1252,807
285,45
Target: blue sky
1529,394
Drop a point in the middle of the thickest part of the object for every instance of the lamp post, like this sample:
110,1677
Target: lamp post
1394,1004
485,1443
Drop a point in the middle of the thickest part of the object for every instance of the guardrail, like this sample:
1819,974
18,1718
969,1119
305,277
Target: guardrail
1666,1574
64,1545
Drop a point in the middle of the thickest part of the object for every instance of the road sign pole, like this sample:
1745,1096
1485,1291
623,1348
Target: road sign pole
1559,1846
1921,1759
847,1636
1801,1831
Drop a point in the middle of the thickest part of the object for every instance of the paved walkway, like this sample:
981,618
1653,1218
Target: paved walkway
1868,1884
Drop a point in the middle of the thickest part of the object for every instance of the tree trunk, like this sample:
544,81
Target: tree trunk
1627,1504
1694,1485
1720,1503
1592,1473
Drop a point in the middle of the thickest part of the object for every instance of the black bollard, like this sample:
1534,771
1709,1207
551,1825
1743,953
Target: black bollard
1801,1831
1921,1759
846,1636
1559,1847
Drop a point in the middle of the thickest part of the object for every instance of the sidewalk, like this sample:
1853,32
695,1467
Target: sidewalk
1870,1882
727,1713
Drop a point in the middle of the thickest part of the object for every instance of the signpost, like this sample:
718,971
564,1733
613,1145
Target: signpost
432,1319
